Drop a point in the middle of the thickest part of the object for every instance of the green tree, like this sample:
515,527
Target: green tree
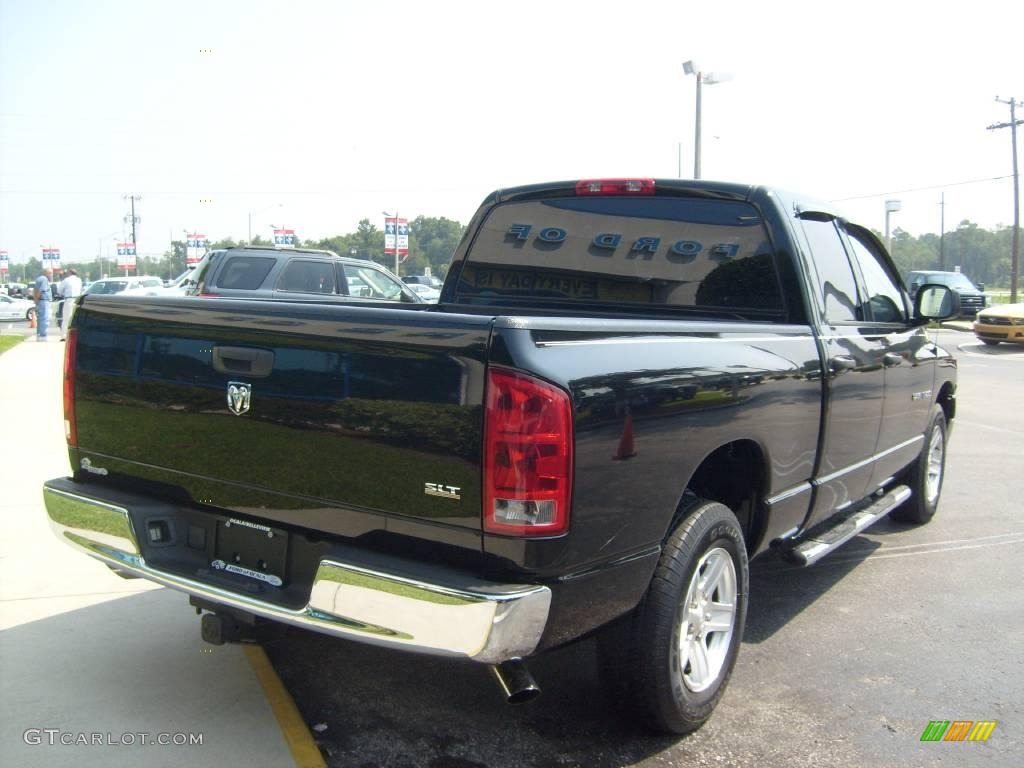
369,240
432,242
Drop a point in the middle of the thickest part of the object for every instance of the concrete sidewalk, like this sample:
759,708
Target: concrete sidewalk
89,658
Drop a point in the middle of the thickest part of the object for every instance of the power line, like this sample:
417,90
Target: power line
921,189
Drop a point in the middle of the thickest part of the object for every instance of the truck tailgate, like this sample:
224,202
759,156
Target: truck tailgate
291,412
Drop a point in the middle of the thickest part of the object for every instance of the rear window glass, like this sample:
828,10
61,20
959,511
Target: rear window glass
651,252
245,272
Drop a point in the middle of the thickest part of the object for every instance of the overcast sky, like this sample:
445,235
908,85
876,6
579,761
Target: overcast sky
313,115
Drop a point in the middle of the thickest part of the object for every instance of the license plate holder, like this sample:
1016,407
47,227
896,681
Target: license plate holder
253,550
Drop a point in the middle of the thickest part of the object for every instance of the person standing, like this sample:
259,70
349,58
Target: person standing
42,296
70,290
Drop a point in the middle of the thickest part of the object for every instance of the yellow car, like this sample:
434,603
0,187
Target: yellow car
1003,322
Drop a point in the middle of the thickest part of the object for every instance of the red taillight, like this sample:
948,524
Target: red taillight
206,295
615,187
70,424
527,456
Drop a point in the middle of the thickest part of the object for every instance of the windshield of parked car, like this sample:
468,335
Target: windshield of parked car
107,286
180,279
955,281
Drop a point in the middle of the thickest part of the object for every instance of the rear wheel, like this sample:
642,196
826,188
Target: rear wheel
31,313
925,476
670,661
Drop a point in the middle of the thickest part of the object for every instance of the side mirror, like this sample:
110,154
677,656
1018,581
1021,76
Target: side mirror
935,302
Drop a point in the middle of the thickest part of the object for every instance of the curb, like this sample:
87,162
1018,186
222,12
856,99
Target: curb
300,741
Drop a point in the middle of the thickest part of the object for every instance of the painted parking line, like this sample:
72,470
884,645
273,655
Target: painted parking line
300,742
996,353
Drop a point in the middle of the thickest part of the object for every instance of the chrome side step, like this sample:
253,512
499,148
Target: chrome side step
811,550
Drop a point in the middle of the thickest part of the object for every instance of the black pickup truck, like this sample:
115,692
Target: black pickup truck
628,388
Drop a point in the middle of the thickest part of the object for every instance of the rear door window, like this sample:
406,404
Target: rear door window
245,272
307,277
835,275
884,301
652,253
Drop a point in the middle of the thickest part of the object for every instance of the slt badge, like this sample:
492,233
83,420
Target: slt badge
444,491
239,397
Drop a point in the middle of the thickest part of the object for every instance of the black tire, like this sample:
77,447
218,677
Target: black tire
925,486
990,342
30,314
640,656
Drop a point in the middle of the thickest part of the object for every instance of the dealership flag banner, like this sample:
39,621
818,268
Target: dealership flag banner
126,255
4,263
391,224
51,258
284,238
195,248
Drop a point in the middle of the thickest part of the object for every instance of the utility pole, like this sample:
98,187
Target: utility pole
1015,257
134,220
942,233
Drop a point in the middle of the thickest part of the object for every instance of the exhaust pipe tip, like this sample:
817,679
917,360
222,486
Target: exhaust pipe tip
515,681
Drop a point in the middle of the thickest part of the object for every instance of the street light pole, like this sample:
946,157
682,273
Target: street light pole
696,130
891,206
248,240
99,255
942,232
693,68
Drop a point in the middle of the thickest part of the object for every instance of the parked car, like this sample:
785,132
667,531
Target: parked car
15,308
17,290
126,285
425,292
1004,322
431,281
972,298
294,274
176,287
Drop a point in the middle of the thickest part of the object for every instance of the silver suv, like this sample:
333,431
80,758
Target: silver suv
294,274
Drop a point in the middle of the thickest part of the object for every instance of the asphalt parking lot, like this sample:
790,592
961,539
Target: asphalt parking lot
843,664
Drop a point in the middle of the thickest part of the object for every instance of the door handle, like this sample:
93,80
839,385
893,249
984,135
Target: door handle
842,363
891,358
255,363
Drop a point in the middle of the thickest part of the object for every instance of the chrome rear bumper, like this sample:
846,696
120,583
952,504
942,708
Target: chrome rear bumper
489,623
